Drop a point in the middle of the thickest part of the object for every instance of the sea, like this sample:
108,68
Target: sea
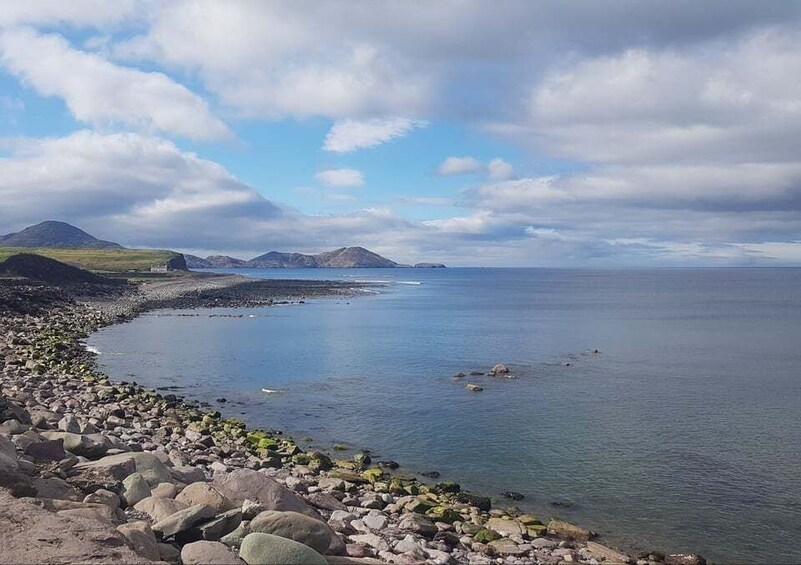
660,408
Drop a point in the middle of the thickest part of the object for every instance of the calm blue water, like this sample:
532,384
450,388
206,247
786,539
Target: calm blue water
683,434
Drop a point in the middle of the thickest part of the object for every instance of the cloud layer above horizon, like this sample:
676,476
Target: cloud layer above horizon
543,133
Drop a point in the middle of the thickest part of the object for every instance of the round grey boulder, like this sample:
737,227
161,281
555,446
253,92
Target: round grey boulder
295,526
267,549
208,552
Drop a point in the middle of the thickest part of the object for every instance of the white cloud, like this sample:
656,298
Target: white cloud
283,59
460,166
340,177
74,12
728,103
498,169
349,135
100,93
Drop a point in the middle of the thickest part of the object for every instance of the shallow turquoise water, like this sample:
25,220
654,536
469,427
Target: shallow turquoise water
682,434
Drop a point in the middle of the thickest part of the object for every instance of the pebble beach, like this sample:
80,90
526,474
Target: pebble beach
93,469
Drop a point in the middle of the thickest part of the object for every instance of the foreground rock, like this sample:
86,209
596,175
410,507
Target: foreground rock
208,553
31,534
267,549
316,534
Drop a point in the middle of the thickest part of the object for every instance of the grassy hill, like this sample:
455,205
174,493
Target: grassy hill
99,260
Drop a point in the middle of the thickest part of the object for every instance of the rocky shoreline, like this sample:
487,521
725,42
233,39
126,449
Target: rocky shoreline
97,471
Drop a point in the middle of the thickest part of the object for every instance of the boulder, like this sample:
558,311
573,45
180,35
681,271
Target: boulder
506,527
568,531
146,464
234,539
212,530
159,508
95,513
78,444
164,490
607,553
316,534
111,467
505,546
474,388
183,520
103,496
499,369
53,487
187,474
169,553
245,484
9,468
69,424
204,493
267,549
208,552
141,538
47,450
32,534
134,489
418,524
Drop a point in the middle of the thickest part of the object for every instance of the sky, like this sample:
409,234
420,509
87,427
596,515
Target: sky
558,133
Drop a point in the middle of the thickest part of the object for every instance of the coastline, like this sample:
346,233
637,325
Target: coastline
371,512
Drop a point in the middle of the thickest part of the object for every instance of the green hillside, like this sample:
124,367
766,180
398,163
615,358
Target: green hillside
100,260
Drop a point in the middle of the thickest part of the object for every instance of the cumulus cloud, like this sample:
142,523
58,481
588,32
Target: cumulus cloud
74,12
677,132
349,135
497,169
100,93
729,104
340,177
459,166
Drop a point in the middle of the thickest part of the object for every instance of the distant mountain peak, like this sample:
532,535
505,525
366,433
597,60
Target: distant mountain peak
343,257
52,233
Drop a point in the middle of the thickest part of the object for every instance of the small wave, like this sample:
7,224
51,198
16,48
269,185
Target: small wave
365,290
379,281
270,391
92,349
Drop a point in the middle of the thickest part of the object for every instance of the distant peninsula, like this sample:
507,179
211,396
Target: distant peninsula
64,242
342,258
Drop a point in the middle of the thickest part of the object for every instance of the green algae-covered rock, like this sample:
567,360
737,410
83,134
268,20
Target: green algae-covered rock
347,476
529,520
536,530
447,487
420,505
444,514
373,474
486,536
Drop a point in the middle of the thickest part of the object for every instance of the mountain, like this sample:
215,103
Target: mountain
54,234
344,257
214,262
195,262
